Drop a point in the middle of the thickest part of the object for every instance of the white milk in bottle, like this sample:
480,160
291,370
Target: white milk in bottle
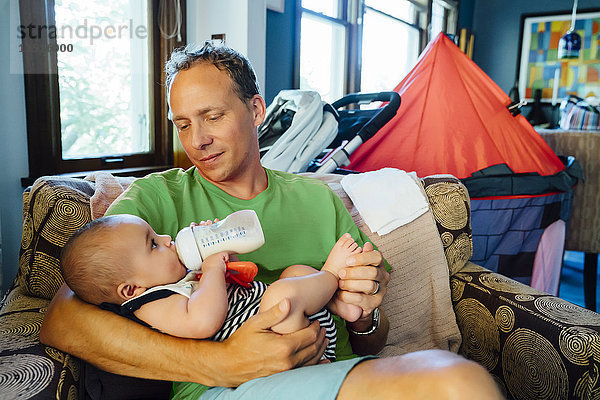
239,233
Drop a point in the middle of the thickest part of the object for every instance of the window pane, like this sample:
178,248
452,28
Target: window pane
104,78
384,66
437,18
327,7
400,9
322,57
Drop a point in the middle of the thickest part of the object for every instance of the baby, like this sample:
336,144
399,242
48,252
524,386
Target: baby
119,263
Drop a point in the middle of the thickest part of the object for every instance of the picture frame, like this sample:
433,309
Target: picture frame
539,67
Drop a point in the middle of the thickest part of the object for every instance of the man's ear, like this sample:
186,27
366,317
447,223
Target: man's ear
259,108
128,291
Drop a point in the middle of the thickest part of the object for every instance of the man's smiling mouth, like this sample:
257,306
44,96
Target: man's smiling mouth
210,157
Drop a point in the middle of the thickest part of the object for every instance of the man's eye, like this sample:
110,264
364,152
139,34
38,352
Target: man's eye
215,117
182,127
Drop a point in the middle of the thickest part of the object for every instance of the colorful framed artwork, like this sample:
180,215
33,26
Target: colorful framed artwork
539,66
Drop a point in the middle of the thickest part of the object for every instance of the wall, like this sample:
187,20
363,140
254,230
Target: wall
242,21
13,151
496,24
281,42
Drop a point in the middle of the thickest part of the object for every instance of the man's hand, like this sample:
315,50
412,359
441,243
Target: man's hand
362,283
255,351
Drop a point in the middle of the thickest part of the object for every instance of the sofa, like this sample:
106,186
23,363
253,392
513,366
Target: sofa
536,346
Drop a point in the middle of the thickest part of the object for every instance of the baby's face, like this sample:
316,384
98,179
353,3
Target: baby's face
152,257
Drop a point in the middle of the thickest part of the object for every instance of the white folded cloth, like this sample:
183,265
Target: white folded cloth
386,198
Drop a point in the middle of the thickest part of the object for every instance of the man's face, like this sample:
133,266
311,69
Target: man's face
216,128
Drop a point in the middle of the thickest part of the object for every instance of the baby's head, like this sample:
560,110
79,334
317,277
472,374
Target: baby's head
115,258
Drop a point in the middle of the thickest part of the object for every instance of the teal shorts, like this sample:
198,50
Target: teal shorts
321,381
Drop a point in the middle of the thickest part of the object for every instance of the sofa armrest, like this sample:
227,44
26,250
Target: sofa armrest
29,368
536,345
451,207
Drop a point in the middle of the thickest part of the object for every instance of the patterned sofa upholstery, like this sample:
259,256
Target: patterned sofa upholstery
535,345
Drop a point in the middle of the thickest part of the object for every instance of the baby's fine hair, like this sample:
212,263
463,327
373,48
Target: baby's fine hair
91,265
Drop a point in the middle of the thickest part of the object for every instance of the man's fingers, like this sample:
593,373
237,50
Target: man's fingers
271,317
372,257
367,302
311,347
365,273
366,286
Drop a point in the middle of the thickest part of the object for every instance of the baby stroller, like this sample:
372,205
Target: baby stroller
300,131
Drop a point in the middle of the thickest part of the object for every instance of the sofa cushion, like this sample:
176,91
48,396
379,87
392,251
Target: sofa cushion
53,209
28,369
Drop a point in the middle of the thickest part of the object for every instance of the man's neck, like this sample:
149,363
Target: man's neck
246,187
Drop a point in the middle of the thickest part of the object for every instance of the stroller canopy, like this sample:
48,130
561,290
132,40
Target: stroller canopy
454,119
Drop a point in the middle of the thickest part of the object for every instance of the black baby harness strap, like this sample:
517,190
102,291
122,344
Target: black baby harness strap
129,308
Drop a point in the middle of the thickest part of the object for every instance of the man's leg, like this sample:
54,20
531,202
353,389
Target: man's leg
429,374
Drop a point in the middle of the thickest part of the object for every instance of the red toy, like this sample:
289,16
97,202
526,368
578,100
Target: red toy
240,272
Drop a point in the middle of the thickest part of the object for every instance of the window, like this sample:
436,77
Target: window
93,85
444,16
323,48
382,65
378,42
104,83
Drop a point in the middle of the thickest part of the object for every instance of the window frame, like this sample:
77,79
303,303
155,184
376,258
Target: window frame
42,102
352,11
343,19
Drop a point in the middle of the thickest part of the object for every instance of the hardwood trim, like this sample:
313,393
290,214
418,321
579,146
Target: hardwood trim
41,89
42,99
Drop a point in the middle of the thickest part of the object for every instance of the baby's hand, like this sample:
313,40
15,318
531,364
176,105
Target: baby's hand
216,261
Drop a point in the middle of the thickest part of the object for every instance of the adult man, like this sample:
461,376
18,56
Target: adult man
216,108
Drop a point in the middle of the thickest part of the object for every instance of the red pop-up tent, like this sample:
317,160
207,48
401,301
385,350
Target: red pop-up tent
454,119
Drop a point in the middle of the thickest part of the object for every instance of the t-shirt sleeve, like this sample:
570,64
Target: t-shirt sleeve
345,223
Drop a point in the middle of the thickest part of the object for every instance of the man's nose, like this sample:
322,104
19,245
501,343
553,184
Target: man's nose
200,138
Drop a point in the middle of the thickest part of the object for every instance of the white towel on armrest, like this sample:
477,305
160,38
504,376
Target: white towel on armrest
386,198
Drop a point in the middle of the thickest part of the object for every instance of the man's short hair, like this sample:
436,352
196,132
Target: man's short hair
91,265
236,65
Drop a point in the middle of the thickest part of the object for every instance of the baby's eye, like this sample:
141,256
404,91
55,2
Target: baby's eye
153,245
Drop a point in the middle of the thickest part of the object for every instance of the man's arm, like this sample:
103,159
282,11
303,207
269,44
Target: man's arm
372,343
118,345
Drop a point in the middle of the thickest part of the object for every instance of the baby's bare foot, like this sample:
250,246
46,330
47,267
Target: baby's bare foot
344,247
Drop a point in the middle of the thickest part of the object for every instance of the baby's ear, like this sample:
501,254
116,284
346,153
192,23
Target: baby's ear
128,291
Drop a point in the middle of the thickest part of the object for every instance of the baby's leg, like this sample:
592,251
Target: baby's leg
309,290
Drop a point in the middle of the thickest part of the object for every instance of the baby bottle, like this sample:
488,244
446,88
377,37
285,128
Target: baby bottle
239,233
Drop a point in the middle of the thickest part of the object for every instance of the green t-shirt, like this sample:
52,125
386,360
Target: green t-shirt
301,219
